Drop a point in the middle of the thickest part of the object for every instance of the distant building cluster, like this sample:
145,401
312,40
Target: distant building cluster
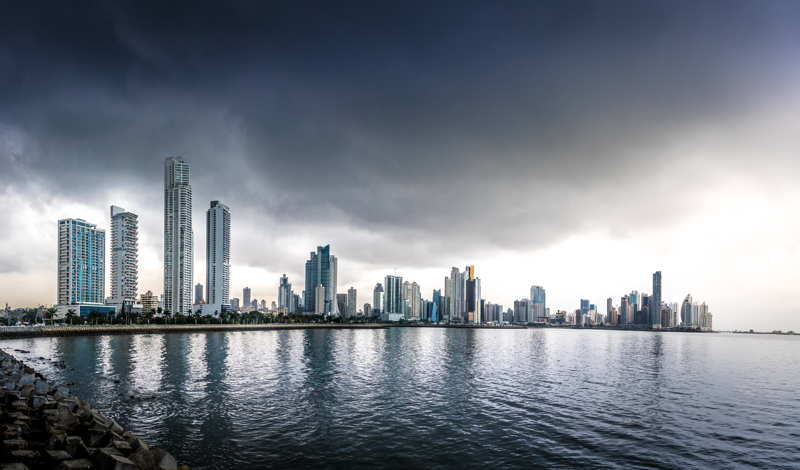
81,280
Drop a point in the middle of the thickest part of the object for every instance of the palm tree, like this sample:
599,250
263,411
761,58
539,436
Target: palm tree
49,314
70,315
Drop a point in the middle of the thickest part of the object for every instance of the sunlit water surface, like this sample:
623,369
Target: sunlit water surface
425,397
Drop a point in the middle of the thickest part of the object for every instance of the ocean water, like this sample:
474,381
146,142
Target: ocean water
443,398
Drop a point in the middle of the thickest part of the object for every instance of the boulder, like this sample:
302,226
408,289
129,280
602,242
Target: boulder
76,464
14,466
97,437
122,446
111,459
42,387
57,455
26,379
164,460
57,439
67,418
28,457
15,444
75,446
143,458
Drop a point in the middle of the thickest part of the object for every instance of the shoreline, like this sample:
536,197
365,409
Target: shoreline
99,330
45,426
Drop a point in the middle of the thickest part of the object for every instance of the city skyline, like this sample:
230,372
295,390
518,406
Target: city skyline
510,140
465,304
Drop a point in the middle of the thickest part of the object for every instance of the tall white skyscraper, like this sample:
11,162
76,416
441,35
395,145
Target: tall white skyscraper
319,299
81,262
218,254
178,244
454,292
351,302
377,299
124,255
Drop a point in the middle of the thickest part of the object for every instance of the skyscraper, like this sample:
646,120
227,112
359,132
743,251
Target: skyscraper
178,244
351,302
218,254
81,262
246,292
285,293
321,268
393,299
198,294
539,299
377,299
472,296
585,306
655,301
436,308
626,316
319,299
686,312
454,292
124,255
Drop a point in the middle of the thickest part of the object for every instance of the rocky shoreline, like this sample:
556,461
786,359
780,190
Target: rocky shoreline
44,427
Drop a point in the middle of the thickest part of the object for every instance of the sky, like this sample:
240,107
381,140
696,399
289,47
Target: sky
580,146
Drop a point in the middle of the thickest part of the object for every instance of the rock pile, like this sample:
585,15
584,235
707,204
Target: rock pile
44,427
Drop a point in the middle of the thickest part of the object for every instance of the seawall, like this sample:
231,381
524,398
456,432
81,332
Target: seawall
44,427
94,330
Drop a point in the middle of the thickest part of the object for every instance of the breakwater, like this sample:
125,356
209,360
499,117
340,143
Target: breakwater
44,427
93,330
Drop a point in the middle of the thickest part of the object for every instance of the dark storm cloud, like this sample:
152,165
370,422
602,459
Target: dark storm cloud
492,124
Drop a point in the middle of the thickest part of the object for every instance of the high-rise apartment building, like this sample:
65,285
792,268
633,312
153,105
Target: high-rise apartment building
149,302
413,298
321,269
218,254
81,262
393,299
523,311
539,299
178,242
198,294
351,302
124,255
246,294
